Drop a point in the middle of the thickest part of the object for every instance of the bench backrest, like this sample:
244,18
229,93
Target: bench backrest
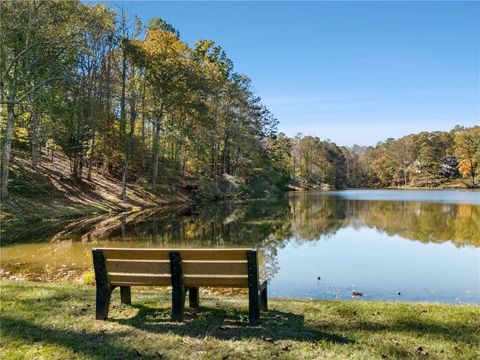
198,267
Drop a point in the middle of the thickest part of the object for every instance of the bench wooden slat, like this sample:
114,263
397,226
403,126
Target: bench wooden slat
216,281
189,280
185,254
233,267
214,267
139,279
137,266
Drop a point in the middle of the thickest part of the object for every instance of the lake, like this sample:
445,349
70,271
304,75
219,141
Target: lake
405,245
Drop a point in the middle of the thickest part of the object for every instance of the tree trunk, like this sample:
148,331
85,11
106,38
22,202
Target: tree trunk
155,150
133,116
122,99
75,168
81,163
212,159
123,195
213,146
144,152
35,139
226,155
6,152
90,160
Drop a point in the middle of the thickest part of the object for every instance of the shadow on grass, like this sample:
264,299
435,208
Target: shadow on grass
410,322
228,324
95,345
465,333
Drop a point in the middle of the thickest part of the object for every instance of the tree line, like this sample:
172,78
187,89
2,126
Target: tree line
134,101
413,159
131,100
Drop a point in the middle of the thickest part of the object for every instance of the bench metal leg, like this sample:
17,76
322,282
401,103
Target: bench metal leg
178,303
253,306
126,295
178,289
263,297
253,294
104,294
103,287
193,297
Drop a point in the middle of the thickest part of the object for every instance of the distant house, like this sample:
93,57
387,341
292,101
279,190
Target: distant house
416,167
449,167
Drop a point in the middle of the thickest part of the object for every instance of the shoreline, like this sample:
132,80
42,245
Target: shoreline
223,292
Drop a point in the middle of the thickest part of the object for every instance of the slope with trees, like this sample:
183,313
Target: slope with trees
131,101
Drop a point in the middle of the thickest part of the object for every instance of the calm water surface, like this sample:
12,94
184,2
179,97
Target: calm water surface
386,244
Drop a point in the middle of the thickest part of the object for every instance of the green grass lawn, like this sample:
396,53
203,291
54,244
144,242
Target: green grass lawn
56,321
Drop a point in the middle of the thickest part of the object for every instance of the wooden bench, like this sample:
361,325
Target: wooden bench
183,269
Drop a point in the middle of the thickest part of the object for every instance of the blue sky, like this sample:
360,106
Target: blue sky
351,72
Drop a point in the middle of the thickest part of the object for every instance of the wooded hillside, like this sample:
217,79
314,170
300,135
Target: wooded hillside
134,102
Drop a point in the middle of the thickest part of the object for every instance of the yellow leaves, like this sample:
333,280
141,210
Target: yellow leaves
163,51
168,64
467,148
21,134
164,44
467,167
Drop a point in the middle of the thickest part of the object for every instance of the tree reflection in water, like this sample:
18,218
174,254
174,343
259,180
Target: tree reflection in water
267,224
